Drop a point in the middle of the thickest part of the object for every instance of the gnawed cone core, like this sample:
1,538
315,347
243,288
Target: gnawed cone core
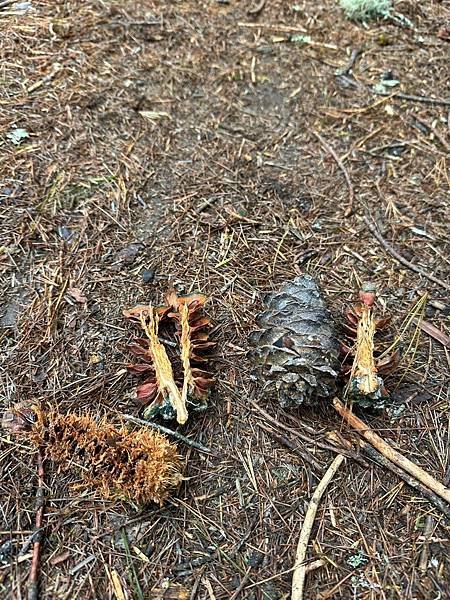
163,367
364,379
361,359
177,379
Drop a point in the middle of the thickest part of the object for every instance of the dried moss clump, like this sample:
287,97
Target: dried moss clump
141,466
359,10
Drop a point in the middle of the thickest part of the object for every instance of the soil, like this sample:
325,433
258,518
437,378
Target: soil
225,147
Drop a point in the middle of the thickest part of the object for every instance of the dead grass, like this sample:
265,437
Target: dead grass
180,126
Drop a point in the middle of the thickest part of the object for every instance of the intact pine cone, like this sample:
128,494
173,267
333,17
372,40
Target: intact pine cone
296,349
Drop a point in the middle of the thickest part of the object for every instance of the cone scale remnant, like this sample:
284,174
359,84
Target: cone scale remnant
140,466
361,363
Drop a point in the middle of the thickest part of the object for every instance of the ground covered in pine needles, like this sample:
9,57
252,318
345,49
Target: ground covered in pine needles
149,143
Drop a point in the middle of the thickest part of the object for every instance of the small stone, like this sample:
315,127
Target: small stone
128,255
148,275
65,233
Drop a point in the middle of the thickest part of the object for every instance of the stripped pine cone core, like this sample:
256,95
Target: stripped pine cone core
296,350
174,356
140,466
362,363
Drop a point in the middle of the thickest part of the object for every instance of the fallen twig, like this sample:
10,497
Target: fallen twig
33,581
241,586
256,9
298,579
401,259
408,479
423,563
430,129
166,430
340,164
412,98
303,453
434,332
401,461
284,28
345,70
306,438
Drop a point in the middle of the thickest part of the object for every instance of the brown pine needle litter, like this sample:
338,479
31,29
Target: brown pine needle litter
119,205
140,466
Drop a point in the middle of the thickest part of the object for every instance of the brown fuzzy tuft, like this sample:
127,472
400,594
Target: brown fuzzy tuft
141,466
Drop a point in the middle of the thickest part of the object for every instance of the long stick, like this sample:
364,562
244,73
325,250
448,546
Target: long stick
298,579
307,456
412,98
377,457
389,452
166,430
33,581
306,438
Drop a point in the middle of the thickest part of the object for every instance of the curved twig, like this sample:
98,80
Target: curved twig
300,569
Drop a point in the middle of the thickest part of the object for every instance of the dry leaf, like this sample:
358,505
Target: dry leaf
77,295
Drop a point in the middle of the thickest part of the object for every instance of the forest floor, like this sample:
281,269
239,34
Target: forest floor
194,140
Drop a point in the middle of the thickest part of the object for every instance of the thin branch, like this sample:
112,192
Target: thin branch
401,461
345,70
423,563
256,9
33,581
303,453
241,586
167,431
306,438
340,164
429,129
401,259
412,98
378,458
298,579
434,332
